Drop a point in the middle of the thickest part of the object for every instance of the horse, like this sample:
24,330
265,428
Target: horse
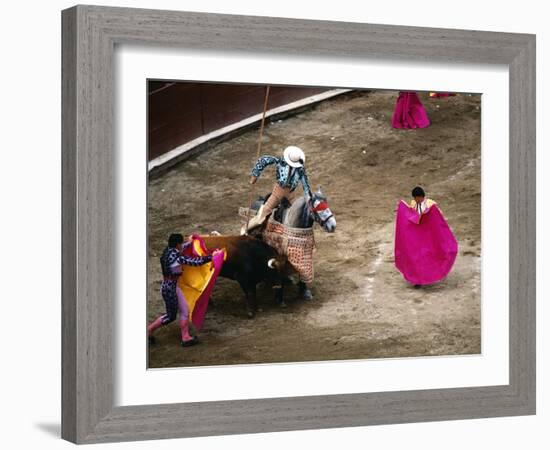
301,214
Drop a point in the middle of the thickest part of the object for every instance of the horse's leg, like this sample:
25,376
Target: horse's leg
305,291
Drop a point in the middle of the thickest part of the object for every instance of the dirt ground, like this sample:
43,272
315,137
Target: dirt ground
362,306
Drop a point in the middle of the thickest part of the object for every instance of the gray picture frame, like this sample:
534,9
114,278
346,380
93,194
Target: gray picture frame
90,34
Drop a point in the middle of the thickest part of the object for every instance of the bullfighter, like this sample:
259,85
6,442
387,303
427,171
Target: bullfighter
171,262
425,246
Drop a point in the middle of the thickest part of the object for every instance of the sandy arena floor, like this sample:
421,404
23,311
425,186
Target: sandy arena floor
362,307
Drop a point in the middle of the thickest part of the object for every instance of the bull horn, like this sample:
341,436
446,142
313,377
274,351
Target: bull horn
272,263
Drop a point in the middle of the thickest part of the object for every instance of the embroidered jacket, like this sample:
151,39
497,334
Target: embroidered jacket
421,208
172,259
286,176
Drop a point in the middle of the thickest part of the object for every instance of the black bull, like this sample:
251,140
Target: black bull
250,261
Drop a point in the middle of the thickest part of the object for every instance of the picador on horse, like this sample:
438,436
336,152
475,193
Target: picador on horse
290,228
289,172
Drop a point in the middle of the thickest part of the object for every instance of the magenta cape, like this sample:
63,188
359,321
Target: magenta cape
409,112
425,247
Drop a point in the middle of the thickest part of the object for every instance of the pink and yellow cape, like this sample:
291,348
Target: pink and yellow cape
425,247
197,282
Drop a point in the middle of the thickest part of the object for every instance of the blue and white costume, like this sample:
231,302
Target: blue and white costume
286,176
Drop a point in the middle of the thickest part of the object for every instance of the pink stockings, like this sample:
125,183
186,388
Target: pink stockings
175,302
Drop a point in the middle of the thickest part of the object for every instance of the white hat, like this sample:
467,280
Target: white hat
294,156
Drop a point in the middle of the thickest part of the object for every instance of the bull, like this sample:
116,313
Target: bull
249,261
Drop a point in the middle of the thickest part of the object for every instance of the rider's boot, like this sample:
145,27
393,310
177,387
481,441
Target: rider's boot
255,221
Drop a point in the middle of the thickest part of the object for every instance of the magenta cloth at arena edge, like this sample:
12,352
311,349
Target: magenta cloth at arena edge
409,112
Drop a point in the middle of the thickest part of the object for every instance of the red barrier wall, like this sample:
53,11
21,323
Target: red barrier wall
179,112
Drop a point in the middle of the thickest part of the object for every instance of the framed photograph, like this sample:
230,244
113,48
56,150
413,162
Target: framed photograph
278,224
